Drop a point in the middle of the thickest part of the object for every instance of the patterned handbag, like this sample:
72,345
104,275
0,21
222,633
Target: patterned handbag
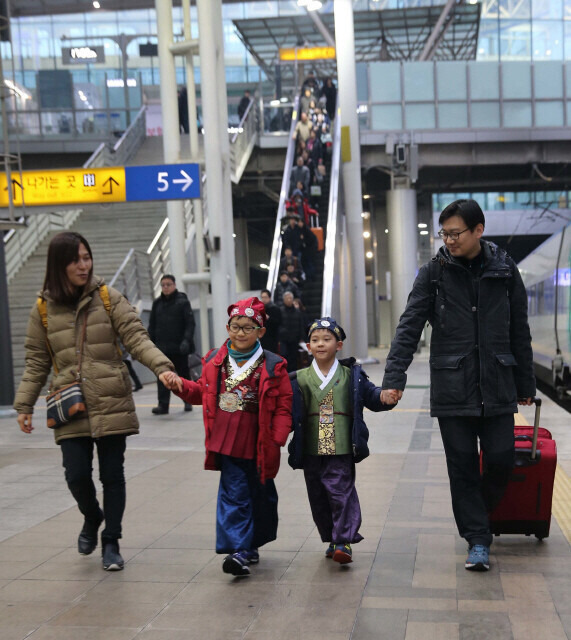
67,403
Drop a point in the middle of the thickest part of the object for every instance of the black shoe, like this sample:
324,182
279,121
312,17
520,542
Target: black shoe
87,540
187,407
160,410
112,560
236,564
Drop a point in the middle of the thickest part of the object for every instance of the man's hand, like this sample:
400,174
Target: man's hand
25,422
391,396
525,401
185,347
171,381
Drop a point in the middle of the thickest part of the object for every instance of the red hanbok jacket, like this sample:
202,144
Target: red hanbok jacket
274,414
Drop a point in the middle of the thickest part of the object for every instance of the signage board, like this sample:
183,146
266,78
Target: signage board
306,53
83,55
101,185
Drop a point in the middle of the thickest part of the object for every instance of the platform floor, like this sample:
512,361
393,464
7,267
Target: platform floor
407,581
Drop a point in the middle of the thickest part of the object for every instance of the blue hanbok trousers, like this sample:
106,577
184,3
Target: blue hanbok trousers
330,482
247,511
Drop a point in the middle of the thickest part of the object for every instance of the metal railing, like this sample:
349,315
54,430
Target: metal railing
139,275
22,242
329,306
244,140
284,192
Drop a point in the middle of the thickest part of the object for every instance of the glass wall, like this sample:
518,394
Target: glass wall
466,95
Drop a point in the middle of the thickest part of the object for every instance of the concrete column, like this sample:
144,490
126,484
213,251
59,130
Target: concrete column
351,161
242,255
190,87
403,247
171,131
222,263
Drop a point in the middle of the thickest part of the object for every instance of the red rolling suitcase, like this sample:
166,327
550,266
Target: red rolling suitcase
526,505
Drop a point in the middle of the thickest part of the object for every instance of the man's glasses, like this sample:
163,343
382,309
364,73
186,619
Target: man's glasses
451,235
247,330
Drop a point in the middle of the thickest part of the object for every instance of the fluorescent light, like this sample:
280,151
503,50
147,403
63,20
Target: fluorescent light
366,234
314,5
96,4
424,233
422,225
369,254
275,103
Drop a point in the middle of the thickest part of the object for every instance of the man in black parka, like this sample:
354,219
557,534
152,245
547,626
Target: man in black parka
481,364
171,327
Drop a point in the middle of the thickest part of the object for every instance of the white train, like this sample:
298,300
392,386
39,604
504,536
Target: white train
546,273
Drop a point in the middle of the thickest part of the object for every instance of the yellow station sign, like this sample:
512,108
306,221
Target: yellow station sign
64,186
306,53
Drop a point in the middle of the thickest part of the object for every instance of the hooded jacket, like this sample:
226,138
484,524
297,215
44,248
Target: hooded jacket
481,361
274,413
105,381
363,394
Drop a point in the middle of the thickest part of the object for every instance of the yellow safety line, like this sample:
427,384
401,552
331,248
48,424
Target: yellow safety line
561,506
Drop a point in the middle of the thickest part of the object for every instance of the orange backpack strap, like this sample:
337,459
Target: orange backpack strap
104,293
43,310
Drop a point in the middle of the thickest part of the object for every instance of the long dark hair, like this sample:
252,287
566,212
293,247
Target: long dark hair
63,250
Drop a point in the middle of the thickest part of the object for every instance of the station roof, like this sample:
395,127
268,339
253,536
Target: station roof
392,34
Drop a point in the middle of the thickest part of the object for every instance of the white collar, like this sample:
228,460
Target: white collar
325,380
234,365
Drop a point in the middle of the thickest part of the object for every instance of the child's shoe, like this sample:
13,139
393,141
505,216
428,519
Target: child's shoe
252,556
236,564
343,553
330,551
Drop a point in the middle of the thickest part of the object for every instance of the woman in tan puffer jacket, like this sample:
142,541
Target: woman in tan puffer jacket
75,296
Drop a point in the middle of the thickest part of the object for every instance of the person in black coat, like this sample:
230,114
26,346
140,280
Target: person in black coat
171,327
330,92
292,331
271,339
291,234
244,102
481,364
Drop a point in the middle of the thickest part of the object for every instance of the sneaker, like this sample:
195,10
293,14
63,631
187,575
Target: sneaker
478,558
112,560
330,551
252,556
343,553
236,564
87,540
160,410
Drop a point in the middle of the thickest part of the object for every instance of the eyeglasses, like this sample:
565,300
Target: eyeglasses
247,330
452,235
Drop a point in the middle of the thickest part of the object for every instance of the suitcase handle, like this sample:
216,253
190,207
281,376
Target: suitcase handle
537,402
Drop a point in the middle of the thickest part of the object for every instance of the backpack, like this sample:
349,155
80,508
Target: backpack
436,269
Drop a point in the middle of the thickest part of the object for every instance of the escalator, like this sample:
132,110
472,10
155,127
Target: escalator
321,287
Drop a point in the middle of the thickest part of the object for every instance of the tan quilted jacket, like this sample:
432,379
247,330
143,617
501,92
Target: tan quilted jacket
105,381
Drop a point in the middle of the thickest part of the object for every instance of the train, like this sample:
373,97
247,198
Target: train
546,274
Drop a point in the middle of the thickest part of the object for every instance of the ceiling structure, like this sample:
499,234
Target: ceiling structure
392,34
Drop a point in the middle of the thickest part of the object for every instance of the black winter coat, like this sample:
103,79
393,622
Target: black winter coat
481,360
171,325
292,328
363,394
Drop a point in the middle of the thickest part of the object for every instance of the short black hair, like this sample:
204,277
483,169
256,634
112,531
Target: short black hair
468,210
266,291
168,276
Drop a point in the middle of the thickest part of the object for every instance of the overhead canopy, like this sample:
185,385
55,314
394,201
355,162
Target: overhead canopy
393,34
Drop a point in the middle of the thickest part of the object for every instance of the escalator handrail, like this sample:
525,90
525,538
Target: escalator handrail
332,218
284,193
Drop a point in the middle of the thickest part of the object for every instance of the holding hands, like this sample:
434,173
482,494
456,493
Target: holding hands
391,396
171,381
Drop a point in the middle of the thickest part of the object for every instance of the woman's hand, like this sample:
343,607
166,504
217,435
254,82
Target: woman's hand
171,381
25,422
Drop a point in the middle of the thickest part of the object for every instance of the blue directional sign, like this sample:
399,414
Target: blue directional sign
162,182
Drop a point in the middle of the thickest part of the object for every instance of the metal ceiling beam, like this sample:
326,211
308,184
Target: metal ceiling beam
437,33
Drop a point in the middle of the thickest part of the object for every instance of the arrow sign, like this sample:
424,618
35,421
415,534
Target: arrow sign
186,180
110,182
162,182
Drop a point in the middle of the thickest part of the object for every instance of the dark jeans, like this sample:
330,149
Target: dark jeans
474,494
78,464
181,367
